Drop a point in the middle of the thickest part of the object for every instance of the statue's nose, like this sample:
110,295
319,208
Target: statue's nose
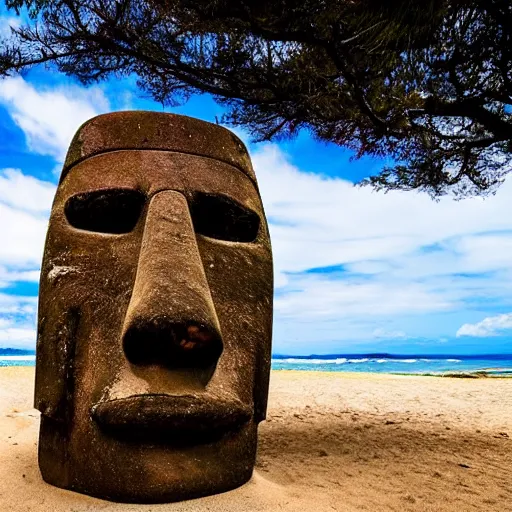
171,319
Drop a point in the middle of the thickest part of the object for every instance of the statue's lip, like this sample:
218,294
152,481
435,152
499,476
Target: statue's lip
160,412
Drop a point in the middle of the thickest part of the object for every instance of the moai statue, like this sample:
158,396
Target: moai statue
155,312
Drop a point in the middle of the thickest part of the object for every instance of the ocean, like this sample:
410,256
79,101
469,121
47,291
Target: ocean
21,360
498,365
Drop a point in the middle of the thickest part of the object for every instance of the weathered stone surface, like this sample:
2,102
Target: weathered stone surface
155,312
155,131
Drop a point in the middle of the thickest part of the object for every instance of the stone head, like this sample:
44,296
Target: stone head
155,312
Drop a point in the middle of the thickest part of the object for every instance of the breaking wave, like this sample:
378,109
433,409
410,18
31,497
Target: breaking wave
344,360
433,365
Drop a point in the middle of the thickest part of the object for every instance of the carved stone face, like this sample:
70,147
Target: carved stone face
155,312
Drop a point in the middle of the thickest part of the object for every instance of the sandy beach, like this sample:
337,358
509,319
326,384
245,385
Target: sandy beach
332,441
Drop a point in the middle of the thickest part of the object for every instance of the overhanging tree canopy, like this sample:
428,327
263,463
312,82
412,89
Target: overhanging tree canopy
427,83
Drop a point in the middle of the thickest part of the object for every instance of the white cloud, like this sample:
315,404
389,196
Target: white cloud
17,321
317,298
25,204
399,254
384,334
24,192
490,326
24,208
6,22
318,221
15,337
13,305
22,236
10,276
49,117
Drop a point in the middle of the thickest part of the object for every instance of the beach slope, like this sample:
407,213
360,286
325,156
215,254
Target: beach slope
332,441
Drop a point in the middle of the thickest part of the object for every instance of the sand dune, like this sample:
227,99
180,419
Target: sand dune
332,441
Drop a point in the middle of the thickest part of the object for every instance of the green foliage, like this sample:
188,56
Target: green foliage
428,84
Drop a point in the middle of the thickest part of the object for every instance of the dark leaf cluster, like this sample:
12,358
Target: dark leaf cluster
427,84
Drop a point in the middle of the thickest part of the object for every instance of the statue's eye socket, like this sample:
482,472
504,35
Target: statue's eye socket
105,211
219,217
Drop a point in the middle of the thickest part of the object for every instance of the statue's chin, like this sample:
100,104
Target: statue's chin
152,468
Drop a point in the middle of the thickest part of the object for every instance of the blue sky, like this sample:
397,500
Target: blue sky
355,270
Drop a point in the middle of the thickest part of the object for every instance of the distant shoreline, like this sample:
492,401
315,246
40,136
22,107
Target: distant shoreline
453,365
363,375
16,352
398,357
457,366
480,374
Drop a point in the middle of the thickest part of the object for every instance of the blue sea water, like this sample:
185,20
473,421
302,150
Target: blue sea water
499,365
22,360
401,364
